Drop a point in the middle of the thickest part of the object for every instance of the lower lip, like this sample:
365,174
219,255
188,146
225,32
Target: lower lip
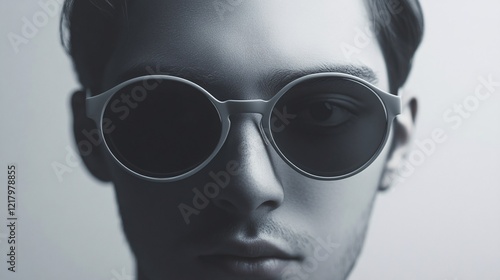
256,267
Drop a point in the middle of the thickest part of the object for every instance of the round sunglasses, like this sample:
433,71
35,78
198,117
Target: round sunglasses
163,128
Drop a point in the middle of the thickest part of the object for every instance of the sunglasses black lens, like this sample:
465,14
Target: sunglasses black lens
329,126
161,128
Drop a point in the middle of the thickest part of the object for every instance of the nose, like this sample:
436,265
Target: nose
255,187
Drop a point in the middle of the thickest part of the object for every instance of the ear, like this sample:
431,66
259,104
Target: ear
87,139
403,130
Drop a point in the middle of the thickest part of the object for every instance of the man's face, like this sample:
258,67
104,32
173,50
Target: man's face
300,227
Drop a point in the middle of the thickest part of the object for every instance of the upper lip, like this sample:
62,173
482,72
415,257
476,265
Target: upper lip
251,249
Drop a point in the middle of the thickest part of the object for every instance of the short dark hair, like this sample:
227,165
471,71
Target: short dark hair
90,30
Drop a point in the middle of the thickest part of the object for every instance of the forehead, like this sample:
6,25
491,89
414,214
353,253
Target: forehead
237,44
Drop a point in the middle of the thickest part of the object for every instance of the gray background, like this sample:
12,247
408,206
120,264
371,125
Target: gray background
442,223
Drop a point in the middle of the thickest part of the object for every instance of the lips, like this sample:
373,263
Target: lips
257,258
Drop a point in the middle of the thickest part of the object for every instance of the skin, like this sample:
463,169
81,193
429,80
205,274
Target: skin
266,199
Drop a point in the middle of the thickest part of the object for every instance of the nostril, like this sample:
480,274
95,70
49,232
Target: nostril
270,204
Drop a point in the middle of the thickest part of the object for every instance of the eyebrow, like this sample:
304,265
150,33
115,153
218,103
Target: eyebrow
269,83
281,77
193,74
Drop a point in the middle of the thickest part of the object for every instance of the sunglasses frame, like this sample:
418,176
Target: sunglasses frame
96,106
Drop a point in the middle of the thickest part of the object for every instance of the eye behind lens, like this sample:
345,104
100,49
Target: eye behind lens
339,125
324,111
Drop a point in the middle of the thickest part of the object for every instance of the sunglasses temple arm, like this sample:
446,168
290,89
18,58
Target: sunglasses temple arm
94,105
393,103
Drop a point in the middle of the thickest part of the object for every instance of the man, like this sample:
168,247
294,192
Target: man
279,186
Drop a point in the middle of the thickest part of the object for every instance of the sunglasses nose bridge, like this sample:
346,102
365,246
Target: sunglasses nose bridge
256,106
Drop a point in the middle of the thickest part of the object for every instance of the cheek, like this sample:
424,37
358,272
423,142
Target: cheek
150,211
334,211
147,212
153,224
331,207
